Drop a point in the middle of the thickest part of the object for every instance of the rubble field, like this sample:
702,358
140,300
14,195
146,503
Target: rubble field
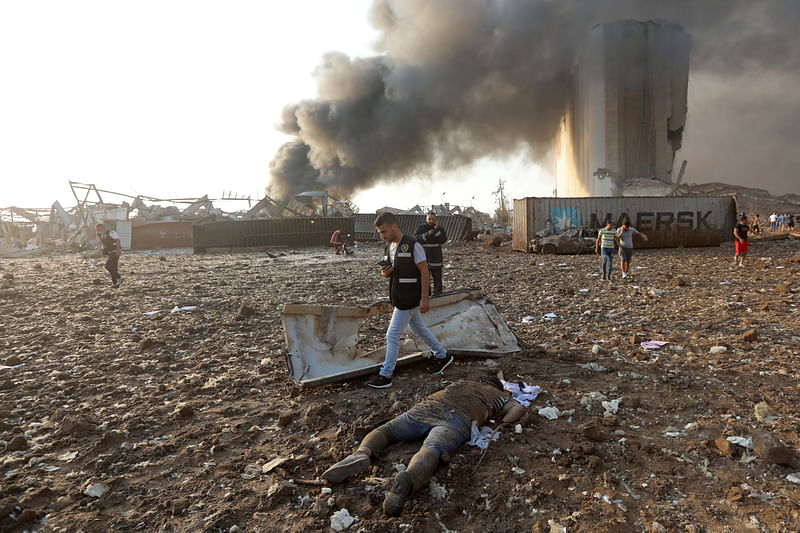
165,404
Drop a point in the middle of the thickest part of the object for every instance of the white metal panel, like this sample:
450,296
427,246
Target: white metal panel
125,232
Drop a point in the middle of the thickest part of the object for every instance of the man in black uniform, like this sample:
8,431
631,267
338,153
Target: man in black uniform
111,248
405,265
432,236
444,420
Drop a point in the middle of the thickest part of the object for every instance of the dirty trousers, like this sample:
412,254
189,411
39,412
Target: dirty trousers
436,277
402,318
112,265
443,428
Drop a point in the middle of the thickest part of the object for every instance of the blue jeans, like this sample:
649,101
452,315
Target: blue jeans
401,319
607,255
444,437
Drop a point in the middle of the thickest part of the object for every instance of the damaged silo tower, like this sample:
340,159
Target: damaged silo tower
625,122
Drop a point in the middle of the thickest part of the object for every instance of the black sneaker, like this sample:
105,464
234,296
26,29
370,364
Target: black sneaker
379,382
438,365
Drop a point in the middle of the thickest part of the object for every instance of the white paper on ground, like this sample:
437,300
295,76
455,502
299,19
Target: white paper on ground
480,437
524,394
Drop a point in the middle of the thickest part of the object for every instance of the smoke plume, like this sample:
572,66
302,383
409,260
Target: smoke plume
457,80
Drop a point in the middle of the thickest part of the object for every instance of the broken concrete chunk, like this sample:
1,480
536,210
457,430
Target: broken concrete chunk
764,413
772,450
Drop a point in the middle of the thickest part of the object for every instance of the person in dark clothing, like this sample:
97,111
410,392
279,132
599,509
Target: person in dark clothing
740,234
431,235
405,266
112,249
444,420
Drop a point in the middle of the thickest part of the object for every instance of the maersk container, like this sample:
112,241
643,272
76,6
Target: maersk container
669,222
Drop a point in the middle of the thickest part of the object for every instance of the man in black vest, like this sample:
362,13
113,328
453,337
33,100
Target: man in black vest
407,269
431,235
111,248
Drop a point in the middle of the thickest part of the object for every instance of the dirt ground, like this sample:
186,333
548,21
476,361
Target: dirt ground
120,420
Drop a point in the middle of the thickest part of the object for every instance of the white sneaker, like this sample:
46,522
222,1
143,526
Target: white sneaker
624,275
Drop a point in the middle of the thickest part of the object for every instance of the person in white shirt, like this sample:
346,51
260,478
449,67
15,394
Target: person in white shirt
625,235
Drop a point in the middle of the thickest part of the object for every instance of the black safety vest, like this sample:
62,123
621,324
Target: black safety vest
432,245
405,283
109,244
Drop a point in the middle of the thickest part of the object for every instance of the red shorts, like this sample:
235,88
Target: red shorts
741,247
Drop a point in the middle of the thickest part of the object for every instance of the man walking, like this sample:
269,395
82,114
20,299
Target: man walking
111,248
625,237
432,236
606,245
773,221
405,266
740,234
444,420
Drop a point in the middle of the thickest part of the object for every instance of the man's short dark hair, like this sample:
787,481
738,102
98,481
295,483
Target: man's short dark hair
99,225
431,213
493,381
385,218
742,218
626,221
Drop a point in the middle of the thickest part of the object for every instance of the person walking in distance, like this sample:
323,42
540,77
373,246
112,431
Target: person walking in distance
740,234
625,237
112,249
606,246
405,266
431,235
756,225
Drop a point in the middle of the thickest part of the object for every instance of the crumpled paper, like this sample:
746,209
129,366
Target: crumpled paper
480,437
524,393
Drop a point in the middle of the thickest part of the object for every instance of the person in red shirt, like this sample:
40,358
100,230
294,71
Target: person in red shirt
337,240
740,234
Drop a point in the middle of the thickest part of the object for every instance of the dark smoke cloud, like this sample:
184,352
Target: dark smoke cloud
457,80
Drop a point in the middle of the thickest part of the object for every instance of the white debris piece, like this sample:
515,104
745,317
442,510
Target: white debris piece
611,407
742,441
398,467
594,367
555,527
518,429
551,413
793,478
718,349
438,492
480,437
97,490
341,520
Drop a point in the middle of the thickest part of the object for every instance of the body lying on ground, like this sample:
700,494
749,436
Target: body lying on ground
444,420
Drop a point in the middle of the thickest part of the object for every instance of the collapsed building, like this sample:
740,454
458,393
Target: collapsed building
625,120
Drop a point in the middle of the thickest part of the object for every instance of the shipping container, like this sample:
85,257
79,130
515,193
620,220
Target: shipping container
149,235
294,232
457,227
668,221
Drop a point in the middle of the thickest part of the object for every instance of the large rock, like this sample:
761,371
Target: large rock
772,450
17,443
